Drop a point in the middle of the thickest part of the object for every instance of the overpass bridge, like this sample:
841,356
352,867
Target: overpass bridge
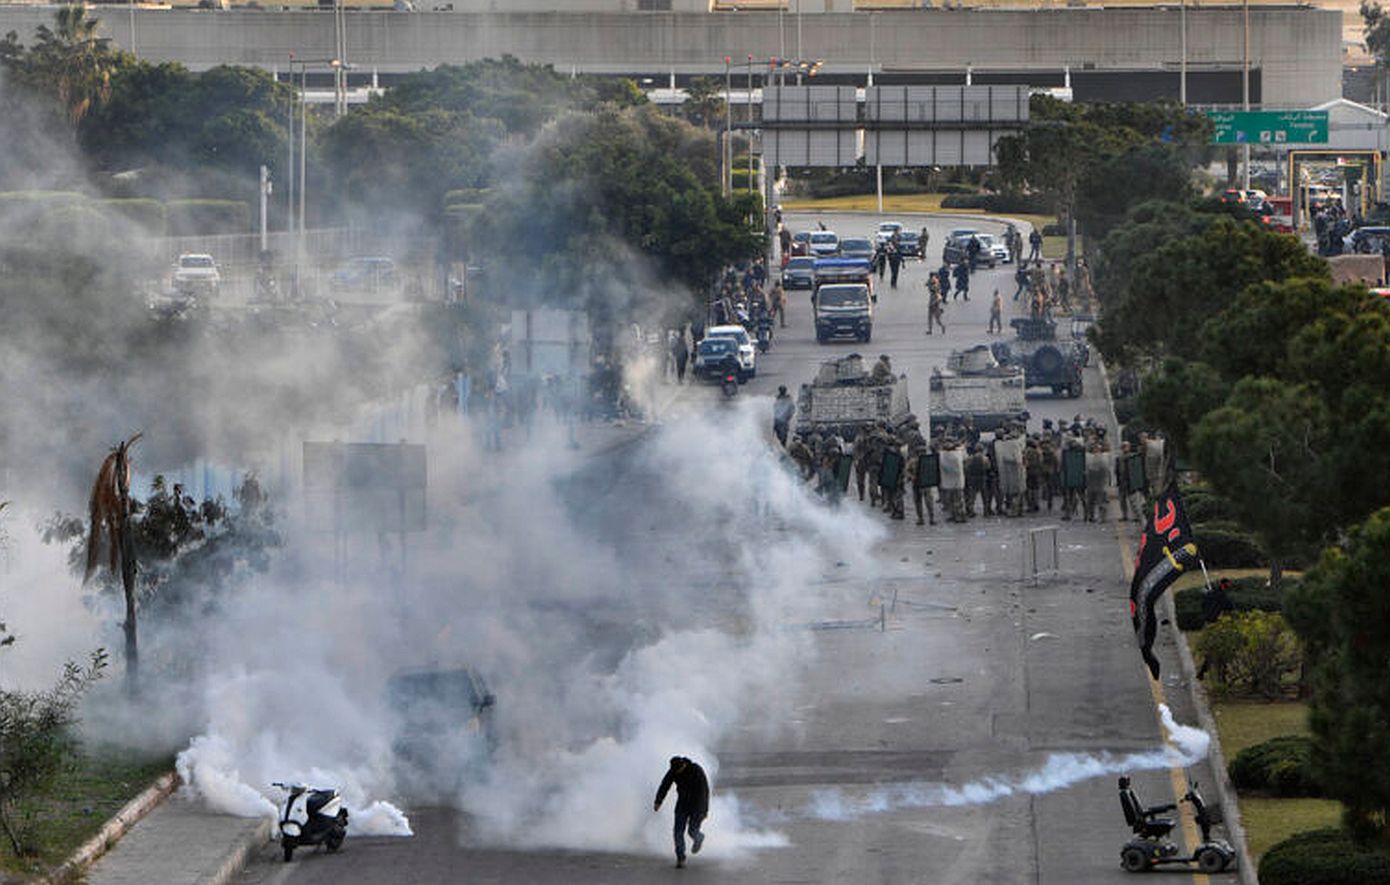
1116,53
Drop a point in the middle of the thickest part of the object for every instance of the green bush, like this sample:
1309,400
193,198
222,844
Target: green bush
1247,594
1126,409
1054,230
1323,857
206,217
1251,652
1204,505
955,187
1226,545
1281,765
1021,203
68,226
45,199
147,214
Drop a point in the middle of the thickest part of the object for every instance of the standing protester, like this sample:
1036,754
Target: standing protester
895,262
922,239
782,411
996,314
972,253
943,274
692,803
779,304
962,274
679,354
784,240
1035,246
1021,278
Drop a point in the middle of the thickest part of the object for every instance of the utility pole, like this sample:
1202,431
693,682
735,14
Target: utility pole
1182,75
727,180
289,171
799,54
265,202
303,147
1245,93
752,185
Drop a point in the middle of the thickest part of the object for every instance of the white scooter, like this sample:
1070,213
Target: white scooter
311,817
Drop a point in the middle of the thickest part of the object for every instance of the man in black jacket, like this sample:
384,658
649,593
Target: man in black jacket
692,803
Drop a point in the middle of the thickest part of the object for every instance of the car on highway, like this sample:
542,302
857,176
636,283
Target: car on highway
886,229
746,352
857,247
910,244
992,251
196,273
1366,240
824,243
799,273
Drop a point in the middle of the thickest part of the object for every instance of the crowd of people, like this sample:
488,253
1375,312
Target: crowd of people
964,473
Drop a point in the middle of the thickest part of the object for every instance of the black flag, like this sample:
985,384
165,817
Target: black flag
1166,550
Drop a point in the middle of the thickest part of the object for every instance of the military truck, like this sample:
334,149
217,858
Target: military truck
1046,359
974,385
843,397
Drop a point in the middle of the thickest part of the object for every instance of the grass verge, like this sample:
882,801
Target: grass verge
1271,821
81,801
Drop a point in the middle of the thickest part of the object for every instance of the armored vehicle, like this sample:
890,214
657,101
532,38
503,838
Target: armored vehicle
1046,359
844,397
974,385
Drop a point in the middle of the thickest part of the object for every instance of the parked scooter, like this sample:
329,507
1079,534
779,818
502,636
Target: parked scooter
1151,847
311,817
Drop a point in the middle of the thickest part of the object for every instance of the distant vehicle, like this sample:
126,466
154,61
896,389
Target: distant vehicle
974,385
1366,240
886,230
365,274
443,717
824,243
799,273
1278,215
856,247
711,355
747,352
992,251
955,251
910,244
1233,195
195,274
801,242
1047,361
843,310
841,400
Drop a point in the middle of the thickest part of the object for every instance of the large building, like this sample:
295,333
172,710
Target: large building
1127,52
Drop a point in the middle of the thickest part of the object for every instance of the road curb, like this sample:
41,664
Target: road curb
112,831
240,854
1230,805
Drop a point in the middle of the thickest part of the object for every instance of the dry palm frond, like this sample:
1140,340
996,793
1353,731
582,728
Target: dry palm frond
108,508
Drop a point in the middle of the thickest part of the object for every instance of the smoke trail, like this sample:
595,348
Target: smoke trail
1187,745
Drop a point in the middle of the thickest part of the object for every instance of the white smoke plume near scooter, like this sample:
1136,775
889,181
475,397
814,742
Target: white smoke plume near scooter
1186,746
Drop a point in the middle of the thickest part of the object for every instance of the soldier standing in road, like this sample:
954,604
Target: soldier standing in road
861,458
692,803
1098,471
962,274
895,262
1035,241
996,314
943,274
922,239
782,411
921,493
976,466
972,253
1033,474
935,308
1022,279
1050,467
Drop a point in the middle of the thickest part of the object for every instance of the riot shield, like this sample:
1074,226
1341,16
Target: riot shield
843,469
928,470
952,470
1074,469
890,472
1135,478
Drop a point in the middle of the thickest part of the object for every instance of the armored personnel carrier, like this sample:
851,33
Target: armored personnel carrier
974,385
844,397
1046,359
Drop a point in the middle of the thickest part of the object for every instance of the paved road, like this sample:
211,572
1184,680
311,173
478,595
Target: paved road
975,675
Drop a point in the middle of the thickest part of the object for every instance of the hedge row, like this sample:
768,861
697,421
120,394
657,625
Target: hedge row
1247,594
176,217
1226,545
1022,203
1323,857
207,217
1282,766
1204,505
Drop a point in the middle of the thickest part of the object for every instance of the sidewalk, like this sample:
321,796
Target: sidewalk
180,843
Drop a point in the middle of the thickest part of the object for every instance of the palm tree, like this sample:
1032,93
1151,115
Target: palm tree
109,515
74,61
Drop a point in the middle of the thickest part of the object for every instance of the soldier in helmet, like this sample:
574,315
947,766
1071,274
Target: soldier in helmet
882,372
976,466
874,461
1051,468
861,447
921,494
1033,474
802,455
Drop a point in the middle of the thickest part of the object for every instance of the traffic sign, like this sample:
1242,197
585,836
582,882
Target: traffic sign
1268,127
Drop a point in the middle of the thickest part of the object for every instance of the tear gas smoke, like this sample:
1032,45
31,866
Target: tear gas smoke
1186,746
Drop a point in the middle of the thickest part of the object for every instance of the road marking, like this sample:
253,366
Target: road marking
1178,777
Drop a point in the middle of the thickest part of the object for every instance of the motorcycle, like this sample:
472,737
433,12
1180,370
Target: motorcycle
311,817
764,337
728,378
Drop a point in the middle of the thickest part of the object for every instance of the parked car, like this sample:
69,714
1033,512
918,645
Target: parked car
1366,240
824,243
856,247
992,251
747,353
196,273
799,273
910,244
886,229
365,274
954,251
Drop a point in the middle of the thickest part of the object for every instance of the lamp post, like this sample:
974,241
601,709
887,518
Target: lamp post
1245,91
752,186
799,54
298,233
1182,70
727,178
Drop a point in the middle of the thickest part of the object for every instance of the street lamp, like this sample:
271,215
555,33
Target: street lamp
336,65
727,173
